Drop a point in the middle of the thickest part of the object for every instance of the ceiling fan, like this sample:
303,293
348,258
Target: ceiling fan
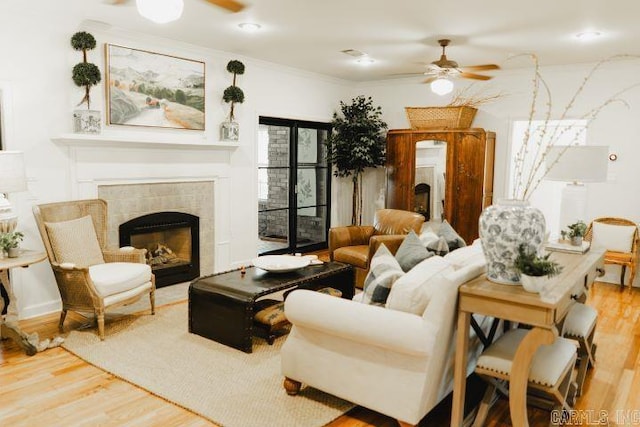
163,11
445,68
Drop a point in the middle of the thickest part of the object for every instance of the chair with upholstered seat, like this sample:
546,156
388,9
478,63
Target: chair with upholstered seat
580,325
90,278
619,236
356,244
550,372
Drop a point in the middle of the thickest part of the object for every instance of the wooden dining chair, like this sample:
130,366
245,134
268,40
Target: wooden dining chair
619,236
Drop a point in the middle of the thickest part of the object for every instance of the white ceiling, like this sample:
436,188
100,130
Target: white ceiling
399,35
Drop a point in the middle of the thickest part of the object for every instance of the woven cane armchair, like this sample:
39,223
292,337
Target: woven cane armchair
90,278
621,243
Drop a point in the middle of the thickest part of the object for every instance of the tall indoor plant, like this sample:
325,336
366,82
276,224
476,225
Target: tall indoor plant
86,75
358,141
233,94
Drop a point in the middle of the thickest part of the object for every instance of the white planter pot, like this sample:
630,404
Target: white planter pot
87,121
503,227
534,284
229,131
13,252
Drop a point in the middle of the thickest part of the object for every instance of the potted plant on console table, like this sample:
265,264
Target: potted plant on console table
535,270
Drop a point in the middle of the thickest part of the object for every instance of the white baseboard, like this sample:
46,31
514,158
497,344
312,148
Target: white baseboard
38,310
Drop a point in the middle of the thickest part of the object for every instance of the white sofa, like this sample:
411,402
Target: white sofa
397,363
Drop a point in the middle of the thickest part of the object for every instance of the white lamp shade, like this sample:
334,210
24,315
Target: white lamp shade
441,86
160,11
12,173
577,163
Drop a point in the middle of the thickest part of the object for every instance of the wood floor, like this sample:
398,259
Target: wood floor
55,388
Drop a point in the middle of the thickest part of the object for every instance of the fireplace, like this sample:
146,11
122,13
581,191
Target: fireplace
172,241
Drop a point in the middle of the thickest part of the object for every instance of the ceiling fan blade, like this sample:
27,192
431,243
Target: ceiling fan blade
430,79
474,76
484,67
230,5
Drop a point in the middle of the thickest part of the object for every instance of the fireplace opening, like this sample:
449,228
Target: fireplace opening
172,241
422,200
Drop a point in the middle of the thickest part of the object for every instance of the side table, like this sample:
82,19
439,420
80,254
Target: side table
9,325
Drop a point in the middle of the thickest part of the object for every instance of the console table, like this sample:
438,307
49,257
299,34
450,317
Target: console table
9,325
513,303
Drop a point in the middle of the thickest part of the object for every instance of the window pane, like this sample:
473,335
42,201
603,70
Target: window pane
311,228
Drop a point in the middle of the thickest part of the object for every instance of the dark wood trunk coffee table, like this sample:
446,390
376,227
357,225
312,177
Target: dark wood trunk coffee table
221,306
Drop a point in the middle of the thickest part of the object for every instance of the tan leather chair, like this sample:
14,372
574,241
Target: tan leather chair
356,244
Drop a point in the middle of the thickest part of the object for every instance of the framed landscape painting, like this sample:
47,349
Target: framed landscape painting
155,90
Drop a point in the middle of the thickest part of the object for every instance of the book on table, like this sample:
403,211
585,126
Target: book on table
566,246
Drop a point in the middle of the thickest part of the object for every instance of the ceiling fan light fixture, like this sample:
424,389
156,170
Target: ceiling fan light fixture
441,86
160,11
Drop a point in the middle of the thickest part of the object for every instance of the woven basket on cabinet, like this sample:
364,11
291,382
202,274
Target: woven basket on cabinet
440,117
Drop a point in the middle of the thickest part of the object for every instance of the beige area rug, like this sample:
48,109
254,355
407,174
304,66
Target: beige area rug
224,385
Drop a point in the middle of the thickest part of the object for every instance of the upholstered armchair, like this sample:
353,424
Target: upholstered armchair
355,245
394,362
619,237
90,277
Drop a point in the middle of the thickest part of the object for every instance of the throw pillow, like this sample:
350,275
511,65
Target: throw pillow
472,254
412,292
384,270
453,239
427,236
75,241
439,247
411,252
613,237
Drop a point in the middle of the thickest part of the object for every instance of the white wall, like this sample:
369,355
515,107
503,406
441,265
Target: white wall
39,97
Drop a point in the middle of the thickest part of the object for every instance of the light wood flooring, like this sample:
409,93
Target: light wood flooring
55,388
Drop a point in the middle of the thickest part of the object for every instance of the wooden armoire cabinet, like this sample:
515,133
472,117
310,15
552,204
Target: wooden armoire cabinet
468,176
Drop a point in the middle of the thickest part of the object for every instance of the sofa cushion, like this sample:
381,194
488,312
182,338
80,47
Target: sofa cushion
384,270
411,252
75,241
451,236
115,277
412,292
617,238
354,255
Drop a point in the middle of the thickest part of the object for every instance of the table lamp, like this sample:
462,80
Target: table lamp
577,165
12,179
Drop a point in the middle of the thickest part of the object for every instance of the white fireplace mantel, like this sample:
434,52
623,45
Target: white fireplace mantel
167,141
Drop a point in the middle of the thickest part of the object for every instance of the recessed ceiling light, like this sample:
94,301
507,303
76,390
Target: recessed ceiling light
249,26
588,35
365,60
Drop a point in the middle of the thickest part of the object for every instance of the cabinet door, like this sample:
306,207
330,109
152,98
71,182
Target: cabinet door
401,158
466,179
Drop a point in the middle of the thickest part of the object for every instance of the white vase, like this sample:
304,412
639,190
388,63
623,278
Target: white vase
534,284
86,121
503,227
229,131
